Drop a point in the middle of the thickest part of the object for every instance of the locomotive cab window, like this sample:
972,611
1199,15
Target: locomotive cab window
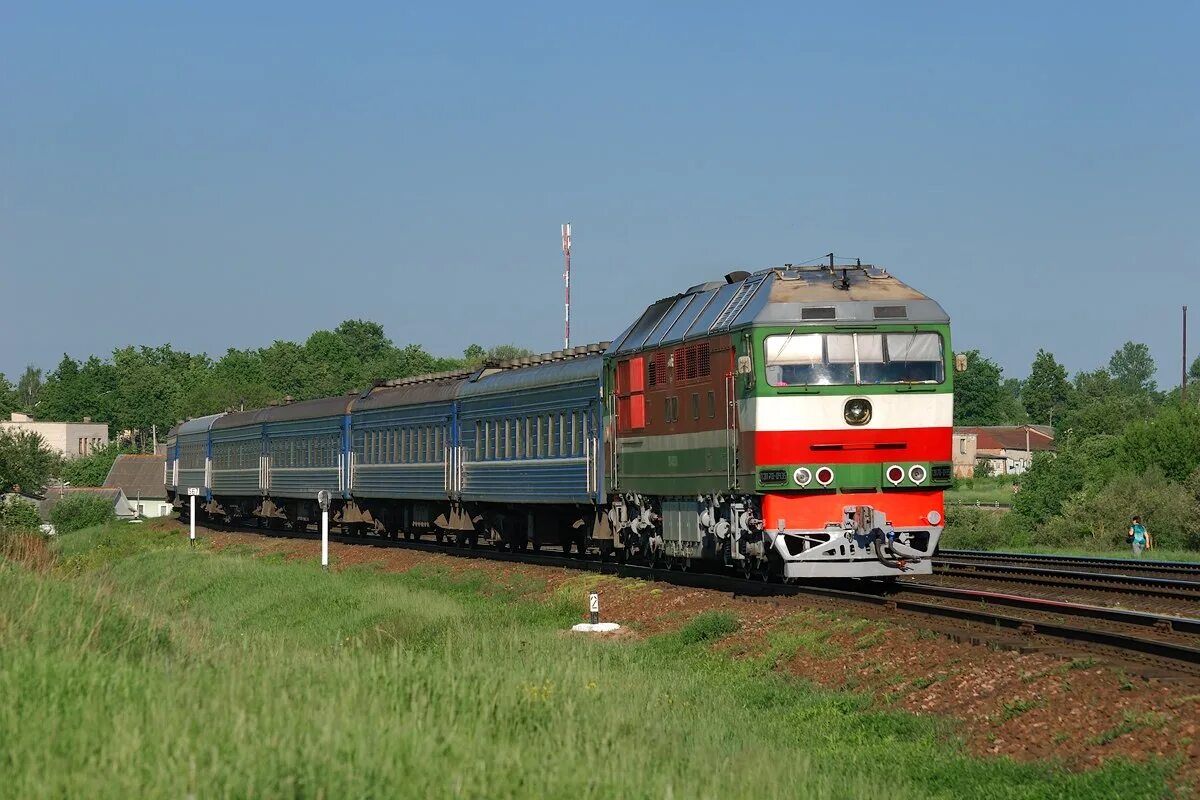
845,359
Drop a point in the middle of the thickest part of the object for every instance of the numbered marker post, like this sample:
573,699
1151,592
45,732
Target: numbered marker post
323,500
594,607
192,493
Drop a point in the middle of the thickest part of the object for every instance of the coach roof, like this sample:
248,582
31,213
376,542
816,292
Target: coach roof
547,373
198,425
289,412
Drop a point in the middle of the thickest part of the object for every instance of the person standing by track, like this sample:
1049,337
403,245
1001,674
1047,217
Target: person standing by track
1139,537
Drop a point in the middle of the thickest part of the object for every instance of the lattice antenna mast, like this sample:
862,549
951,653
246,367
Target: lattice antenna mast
566,246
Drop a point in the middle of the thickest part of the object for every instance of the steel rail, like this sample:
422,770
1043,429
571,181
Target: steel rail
1169,567
1069,578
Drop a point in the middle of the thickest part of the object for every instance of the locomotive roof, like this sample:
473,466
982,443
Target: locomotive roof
786,295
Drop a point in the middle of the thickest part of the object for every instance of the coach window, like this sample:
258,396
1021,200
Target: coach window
520,429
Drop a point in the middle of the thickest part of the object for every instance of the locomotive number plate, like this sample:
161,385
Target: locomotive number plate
773,476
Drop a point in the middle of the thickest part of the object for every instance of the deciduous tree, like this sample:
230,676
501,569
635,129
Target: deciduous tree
980,397
29,387
1133,369
1046,390
26,463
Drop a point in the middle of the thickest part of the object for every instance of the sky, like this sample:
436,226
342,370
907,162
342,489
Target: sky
216,175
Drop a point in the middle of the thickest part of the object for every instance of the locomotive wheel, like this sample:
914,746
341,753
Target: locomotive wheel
650,557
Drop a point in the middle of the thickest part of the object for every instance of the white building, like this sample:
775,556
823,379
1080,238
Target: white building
69,439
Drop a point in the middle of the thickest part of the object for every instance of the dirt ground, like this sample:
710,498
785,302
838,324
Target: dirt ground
1031,705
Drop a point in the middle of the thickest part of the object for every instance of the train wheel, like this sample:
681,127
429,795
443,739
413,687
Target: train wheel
650,557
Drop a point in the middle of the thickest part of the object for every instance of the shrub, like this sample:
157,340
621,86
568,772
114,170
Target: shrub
17,515
81,511
1101,519
970,528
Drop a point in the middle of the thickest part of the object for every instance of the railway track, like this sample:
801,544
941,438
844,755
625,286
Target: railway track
1124,566
1176,588
1169,644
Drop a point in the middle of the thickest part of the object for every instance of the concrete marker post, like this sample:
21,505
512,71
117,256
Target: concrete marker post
192,492
323,501
595,625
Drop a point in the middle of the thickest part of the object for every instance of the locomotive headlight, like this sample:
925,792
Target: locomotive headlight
803,476
895,474
824,476
857,411
934,517
917,473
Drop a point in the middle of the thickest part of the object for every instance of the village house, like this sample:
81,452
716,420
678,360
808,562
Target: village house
141,479
999,449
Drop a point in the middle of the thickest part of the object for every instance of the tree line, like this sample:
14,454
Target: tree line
1123,447
142,389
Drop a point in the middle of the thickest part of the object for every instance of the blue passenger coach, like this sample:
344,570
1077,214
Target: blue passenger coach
511,453
194,456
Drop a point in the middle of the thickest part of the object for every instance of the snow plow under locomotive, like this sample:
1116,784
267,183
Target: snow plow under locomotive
793,422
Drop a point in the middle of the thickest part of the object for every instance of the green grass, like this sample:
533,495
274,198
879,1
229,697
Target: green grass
981,490
141,667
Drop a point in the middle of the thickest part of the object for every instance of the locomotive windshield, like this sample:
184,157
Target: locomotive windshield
847,359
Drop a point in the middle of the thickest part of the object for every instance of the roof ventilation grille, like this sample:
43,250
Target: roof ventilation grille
822,312
891,312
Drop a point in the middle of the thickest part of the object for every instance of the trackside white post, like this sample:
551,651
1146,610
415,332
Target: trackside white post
192,519
594,607
323,500
325,539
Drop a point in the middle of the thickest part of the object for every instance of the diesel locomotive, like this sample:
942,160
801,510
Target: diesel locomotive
793,422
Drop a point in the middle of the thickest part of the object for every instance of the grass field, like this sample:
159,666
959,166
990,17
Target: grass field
137,666
981,490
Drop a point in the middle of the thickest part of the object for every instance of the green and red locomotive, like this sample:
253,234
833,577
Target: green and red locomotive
796,420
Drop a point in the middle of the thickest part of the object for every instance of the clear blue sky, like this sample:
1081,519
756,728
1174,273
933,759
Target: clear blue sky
227,174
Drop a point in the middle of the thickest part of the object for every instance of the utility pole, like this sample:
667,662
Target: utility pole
566,246
1183,383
